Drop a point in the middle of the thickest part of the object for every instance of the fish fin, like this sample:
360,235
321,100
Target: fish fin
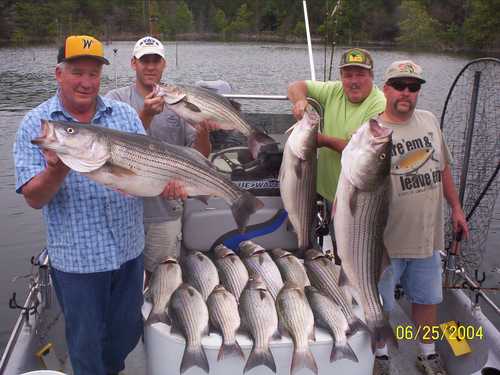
302,359
231,350
155,318
298,169
175,331
343,352
261,259
386,262
192,107
194,356
312,335
202,198
280,332
334,207
243,207
236,105
263,294
343,279
383,333
148,295
353,197
357,325
168,320
120,171
260,357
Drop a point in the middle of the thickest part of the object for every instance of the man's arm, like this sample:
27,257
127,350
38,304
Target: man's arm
450,193
41,189
333,143
297,94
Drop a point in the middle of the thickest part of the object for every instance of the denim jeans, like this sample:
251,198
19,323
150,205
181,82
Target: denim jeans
102,313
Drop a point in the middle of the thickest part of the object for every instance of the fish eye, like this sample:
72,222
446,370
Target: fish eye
381,156
70,130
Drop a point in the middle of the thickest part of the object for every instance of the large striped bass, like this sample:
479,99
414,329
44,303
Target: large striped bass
196,104
360,211
298,177
140,165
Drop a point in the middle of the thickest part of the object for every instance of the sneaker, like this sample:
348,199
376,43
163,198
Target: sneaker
382,365
431,365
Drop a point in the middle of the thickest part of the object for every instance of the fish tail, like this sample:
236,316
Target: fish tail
301,359
258,141
155,317
228,350
383,333
258,357
243,207
343,352
194,356
356,325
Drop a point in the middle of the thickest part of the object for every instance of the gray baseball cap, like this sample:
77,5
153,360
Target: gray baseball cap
404,69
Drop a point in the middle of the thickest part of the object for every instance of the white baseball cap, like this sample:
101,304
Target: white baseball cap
148,46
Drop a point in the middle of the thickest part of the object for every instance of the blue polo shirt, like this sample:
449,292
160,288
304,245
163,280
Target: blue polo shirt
90,228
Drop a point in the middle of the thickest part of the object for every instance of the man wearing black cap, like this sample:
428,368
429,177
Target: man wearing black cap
414,234
347,104
95,236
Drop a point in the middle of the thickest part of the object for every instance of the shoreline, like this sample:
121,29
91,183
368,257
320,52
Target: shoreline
263,38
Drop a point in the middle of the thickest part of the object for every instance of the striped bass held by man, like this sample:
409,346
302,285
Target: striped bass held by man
197,104
140,165
361,210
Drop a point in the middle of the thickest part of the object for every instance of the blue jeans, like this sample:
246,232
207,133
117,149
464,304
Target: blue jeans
102,313
420,278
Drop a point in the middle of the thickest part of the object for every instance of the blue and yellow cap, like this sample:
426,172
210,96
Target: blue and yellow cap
356,57
77,46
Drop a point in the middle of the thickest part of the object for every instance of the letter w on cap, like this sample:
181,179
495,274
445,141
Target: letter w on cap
87,43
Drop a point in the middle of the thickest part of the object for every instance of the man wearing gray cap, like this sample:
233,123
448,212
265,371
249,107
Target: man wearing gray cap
162,217
414,234
347,104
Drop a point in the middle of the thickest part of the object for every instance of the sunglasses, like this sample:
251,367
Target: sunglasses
400,86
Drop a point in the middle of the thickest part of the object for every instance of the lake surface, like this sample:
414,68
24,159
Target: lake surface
27,79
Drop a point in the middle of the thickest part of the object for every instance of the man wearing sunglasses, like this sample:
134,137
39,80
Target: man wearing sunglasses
420,179
347,104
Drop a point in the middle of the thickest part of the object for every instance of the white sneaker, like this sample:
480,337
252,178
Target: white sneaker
382,365
431,365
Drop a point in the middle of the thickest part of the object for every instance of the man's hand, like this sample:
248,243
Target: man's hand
53,161
174,190
459,222
206,126
299,108
152,106
202,141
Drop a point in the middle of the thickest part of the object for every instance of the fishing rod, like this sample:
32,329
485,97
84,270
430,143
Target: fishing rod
334,41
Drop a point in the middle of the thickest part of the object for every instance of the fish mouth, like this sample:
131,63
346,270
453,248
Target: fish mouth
169,260
45,136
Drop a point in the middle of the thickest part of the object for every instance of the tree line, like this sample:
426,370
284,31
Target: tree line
436,24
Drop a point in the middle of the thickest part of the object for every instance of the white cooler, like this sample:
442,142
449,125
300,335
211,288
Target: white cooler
164,353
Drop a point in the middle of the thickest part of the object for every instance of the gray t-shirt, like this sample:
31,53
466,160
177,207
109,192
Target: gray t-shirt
415,227
170,128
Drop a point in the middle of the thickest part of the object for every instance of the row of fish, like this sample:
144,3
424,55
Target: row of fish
252,293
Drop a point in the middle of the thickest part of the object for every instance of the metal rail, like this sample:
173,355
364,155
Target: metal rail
309,44
474,286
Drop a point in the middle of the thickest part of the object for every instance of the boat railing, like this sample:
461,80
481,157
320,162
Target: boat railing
39,298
